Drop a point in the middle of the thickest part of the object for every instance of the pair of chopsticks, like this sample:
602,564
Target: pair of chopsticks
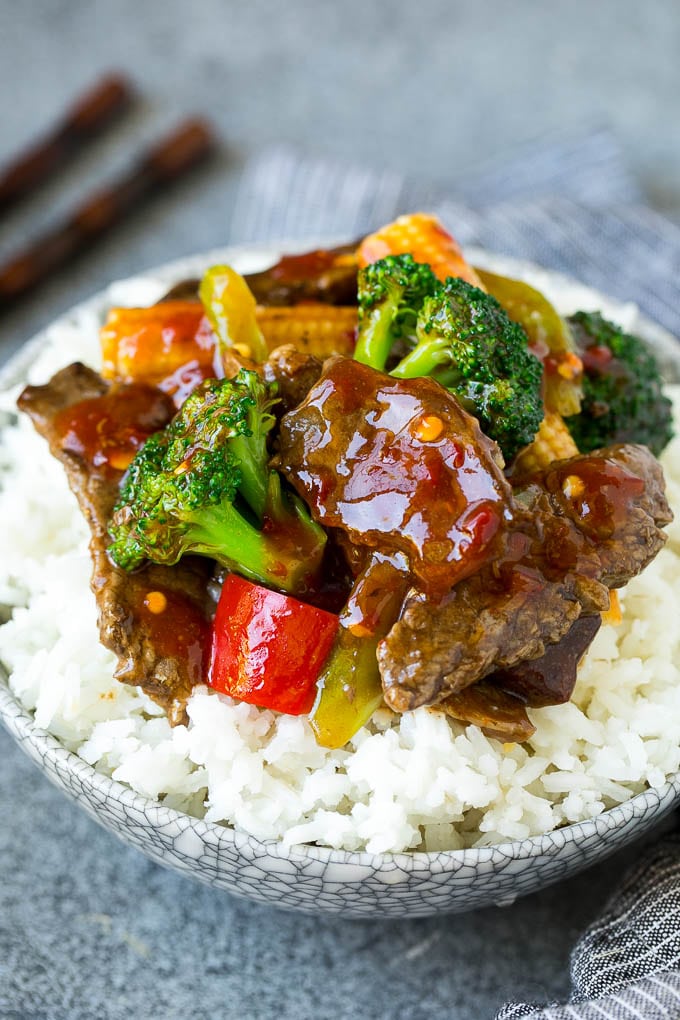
153,170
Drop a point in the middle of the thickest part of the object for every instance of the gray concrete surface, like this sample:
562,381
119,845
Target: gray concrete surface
432,88
90,929
87,926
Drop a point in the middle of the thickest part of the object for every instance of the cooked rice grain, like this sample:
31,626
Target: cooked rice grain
415,781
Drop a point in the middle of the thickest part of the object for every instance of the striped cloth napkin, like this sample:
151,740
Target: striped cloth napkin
626,966
569,204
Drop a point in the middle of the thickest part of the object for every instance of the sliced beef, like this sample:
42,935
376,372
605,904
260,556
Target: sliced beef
498,713
438,649
616,498
498,703
156,619
487,577
400,467
294,373
184,290
328,276
550,679
589,524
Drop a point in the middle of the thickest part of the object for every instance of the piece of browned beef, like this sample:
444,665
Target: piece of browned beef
498,703
550,679
622,508
183,290
400,467
589,524
294,373
496,577
321,275
155,619
483,624
496,711
313,276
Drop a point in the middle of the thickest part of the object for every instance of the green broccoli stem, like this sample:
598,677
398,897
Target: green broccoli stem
375,339
428,355
287,511
282,558
254,482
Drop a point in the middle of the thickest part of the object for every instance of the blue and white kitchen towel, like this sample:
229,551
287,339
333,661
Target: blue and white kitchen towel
570,205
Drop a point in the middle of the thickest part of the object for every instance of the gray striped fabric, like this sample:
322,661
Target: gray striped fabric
569,204
627,251
627,964
548,207
654,998
284,195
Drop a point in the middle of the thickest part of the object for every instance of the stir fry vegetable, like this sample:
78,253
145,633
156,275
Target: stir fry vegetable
623,399
457,334
550,339
313,328
425,239
350,458
149,344
198,486
230,307
349,690
469,345
267,648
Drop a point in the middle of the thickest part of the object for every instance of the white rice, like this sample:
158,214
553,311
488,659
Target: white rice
418,781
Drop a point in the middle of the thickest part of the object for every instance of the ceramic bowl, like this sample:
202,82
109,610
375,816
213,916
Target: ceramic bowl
313,878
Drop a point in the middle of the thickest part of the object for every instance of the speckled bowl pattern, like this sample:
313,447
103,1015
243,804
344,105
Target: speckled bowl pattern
317,879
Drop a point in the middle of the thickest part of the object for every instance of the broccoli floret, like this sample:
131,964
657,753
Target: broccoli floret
390,295
203,485
467,342
623,400
457,334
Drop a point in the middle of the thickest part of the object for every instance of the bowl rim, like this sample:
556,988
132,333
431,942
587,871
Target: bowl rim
20,722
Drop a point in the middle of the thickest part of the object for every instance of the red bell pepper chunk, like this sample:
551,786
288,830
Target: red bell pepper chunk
268,649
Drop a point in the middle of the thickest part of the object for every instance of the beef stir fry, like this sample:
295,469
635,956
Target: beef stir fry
352,480
155,620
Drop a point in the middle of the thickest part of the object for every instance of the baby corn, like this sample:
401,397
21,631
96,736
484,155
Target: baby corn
318,329
423,237
553,442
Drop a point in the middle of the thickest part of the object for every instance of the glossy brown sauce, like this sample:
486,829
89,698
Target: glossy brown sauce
181,383
177,629
108,431
397,465
291,268
596,491
377,596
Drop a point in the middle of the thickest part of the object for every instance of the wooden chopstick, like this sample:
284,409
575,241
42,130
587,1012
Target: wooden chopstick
177,153
91,114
